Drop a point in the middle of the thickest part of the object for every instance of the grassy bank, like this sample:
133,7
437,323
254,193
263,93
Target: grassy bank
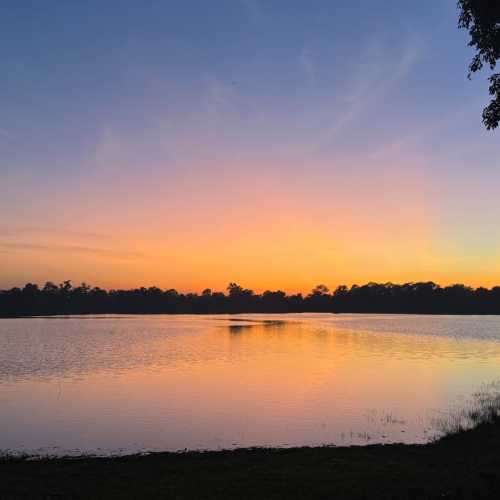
464,465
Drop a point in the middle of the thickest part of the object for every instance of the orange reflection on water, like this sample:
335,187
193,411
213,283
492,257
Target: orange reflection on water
138,383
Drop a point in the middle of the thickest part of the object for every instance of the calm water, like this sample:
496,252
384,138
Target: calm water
134,383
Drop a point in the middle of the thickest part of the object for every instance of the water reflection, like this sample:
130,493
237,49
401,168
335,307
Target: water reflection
239,325
172,382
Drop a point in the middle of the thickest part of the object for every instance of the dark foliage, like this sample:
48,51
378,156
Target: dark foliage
482,19
370,298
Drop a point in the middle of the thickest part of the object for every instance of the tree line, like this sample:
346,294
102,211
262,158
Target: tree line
417,298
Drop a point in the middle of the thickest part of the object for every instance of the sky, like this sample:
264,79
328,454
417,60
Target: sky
274,143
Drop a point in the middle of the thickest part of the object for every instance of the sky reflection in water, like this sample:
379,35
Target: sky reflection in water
133,383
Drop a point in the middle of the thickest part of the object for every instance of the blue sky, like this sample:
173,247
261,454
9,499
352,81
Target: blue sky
136,119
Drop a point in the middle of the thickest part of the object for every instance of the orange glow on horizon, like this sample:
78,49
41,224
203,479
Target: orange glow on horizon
263,231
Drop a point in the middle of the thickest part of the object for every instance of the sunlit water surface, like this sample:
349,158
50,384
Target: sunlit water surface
107,384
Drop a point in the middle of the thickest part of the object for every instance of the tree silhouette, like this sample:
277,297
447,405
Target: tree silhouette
423,297
482,19
320,290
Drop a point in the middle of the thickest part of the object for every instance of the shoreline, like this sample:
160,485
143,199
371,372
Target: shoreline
461,465
263,313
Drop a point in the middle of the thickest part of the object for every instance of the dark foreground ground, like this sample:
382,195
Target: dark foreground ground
465,466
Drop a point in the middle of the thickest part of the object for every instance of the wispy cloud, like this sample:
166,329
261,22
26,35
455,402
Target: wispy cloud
71,249
63,241
308,66
218,96
377,71
50,231
254,10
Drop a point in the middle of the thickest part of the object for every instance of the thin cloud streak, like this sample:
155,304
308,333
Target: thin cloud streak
254,10
372,79
96,252
14,231
308,66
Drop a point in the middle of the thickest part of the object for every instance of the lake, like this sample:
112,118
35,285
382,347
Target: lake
123,384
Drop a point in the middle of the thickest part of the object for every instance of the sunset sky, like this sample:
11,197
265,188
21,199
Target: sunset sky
275,143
